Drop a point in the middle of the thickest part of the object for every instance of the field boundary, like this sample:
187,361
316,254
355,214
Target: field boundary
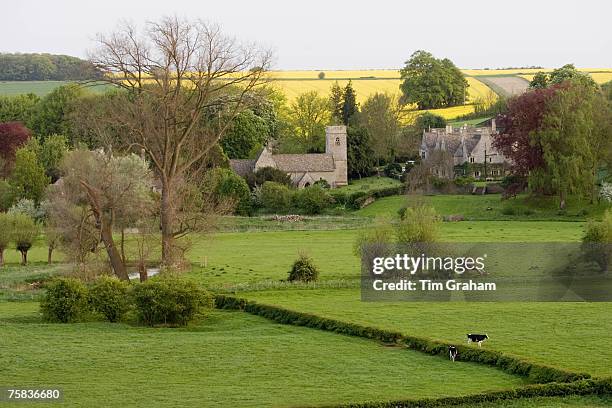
535,373
547,381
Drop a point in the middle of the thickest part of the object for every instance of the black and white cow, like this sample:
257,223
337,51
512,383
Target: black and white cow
477,338
452,352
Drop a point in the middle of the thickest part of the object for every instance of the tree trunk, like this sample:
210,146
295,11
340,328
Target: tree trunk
123,245
24,257
114,256
167,224
50,255
142,270
1,256
561,200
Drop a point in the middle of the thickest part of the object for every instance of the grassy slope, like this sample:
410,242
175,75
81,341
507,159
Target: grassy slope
488,207
369,184
230,359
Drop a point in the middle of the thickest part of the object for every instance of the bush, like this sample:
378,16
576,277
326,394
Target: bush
313,199
109,297
322,183
225,184
303,270
169,300
6,195
393,170
275,196
264,174
463,181
418,224
25,231
64,301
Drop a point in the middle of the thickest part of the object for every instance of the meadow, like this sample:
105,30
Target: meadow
236,359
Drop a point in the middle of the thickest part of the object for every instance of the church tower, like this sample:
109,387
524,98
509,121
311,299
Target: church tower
335,145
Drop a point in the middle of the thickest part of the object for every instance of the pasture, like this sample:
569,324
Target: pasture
226,359
232,358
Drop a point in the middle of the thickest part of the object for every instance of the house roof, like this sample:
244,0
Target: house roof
293,163
452,141
242,167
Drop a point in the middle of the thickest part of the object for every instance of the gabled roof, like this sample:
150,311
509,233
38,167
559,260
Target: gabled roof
452,141
242,167
293,163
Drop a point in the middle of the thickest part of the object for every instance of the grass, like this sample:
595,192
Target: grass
370,184
227,359
40,88
490,207
591,401
573,336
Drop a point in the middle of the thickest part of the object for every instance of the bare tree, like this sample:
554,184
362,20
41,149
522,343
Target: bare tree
185,81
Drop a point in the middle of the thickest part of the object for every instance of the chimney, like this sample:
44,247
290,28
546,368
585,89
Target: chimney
493,127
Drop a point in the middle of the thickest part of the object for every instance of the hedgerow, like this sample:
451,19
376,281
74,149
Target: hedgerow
535,373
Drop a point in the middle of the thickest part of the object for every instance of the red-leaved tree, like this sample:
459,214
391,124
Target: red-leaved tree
13,135
524,116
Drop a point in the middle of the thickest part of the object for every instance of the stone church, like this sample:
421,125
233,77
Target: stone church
306,169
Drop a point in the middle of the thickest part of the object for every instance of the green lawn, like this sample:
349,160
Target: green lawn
573,336
489,207
228,359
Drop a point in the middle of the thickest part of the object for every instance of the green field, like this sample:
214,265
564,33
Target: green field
235,359
489,207
227,359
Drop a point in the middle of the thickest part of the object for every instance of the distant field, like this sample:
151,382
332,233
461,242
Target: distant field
506,85
599,77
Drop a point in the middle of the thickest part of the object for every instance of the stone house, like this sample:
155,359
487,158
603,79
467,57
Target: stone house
306,169
469,148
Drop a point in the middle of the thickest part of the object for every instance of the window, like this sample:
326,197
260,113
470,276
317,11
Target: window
422,155
490,159
337,141
471,160
476,174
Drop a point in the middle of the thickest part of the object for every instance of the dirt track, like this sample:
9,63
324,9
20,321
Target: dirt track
507,85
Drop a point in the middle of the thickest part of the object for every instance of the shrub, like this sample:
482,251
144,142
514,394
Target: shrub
6,233
393,170
322,183
109,297
275,196
29,208
64,301
169,300
259,177
418,224
463,181
6,195
313,199
225,184
605,192
303,270
25,231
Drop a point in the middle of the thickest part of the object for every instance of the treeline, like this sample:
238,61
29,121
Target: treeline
45,67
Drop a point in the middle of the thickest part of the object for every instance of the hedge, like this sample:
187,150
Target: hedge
535,373
356,200
580,387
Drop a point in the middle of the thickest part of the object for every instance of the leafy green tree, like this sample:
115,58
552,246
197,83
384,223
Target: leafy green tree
360,154
44,67
336,101
264,174
418,224
380,115
52,151
52,113
28,179
432,83
247,135
313,199
308,115
429,120
6,195
225,184
6,233
349,103
275,196
566,73
25,231
570,150
18,108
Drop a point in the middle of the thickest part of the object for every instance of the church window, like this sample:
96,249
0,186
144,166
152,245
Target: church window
337,141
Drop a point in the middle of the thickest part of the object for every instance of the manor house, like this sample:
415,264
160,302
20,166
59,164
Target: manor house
470,149
306,169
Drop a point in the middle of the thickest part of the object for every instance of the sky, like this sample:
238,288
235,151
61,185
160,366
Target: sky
316,34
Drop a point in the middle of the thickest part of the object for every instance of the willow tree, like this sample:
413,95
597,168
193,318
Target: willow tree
185,82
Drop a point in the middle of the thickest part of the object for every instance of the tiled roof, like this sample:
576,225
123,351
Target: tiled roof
293,163
242,167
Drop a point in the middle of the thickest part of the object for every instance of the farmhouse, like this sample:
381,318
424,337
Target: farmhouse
306,169
469,148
